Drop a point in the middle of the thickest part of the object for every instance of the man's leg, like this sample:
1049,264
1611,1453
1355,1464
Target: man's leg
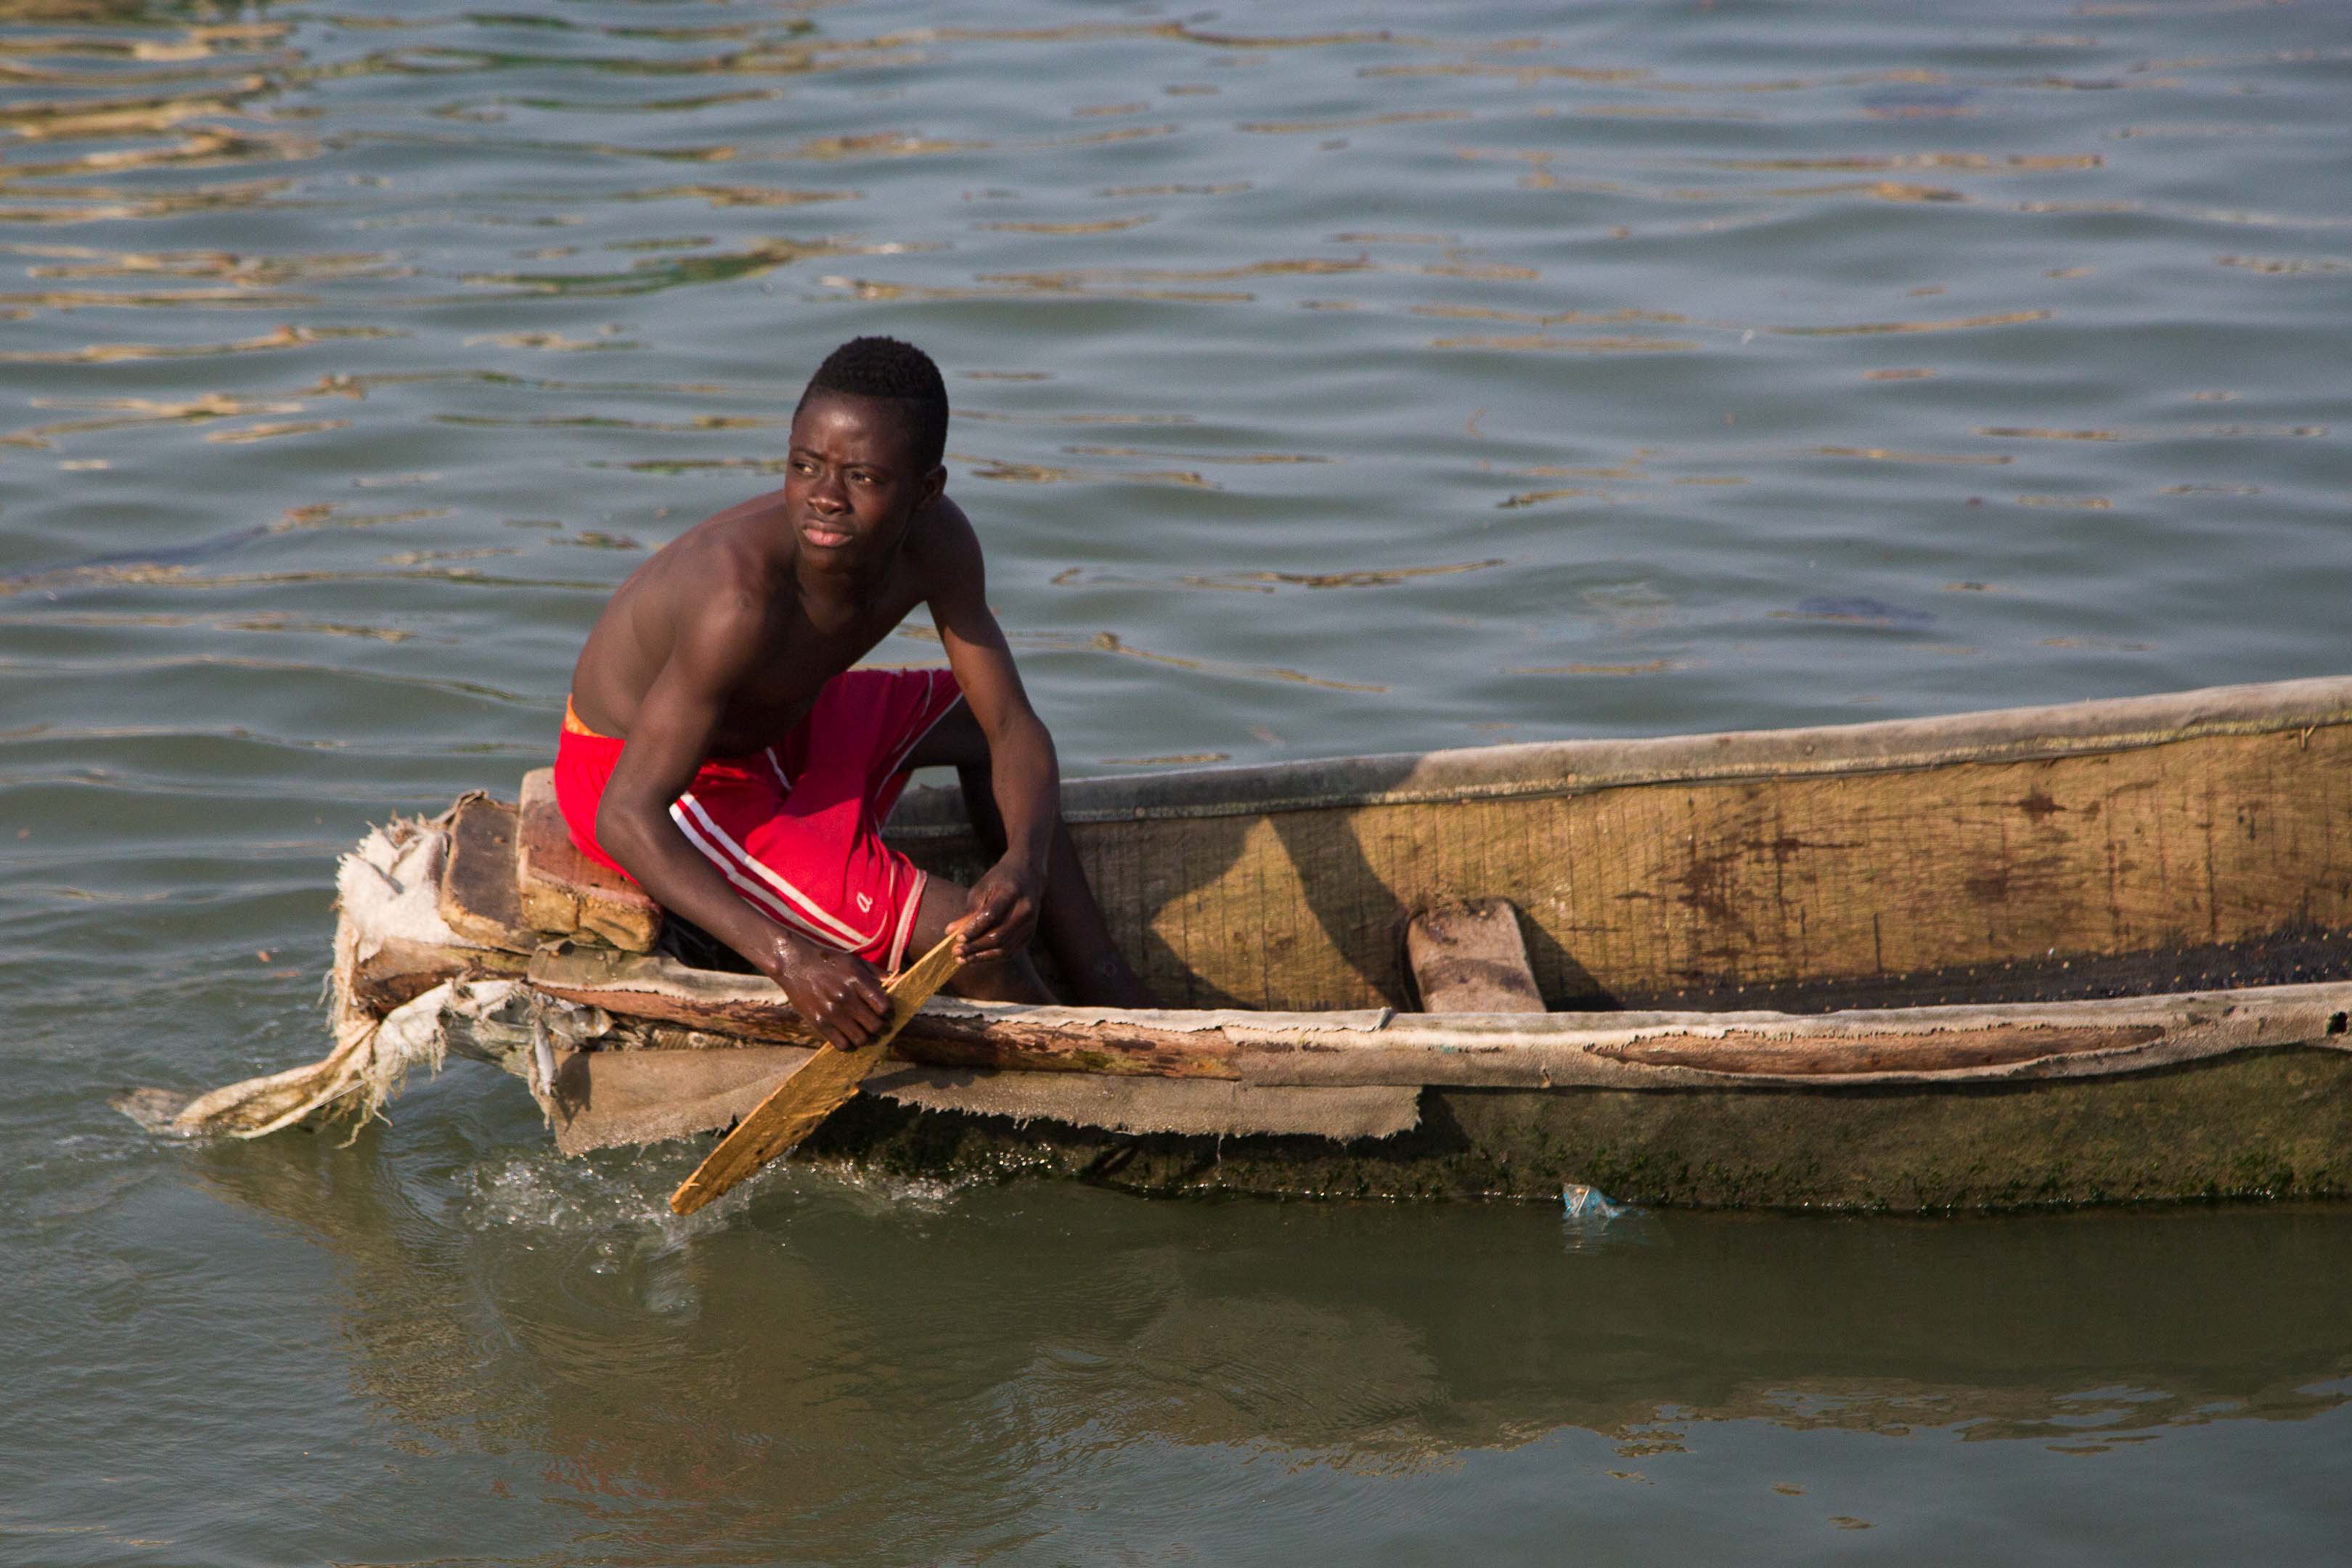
1013,979
1070,920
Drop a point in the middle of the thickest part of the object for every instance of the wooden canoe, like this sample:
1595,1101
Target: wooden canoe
2093,952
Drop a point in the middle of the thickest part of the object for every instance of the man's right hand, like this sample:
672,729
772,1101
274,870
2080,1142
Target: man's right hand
837,993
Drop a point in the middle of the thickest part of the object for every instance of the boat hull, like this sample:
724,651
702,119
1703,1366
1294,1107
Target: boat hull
2259,1126
2093,954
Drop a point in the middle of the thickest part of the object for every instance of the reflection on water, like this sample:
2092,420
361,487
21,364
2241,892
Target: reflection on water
1341,380
769,1370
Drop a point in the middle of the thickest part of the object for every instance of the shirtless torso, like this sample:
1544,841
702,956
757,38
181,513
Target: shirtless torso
719,644
793,646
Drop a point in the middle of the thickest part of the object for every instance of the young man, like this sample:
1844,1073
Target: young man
719,749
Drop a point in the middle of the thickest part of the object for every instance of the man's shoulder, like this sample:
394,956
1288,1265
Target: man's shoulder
943,537
712,579
727,551
735,537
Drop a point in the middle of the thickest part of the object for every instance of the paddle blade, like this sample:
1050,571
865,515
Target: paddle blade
817,1088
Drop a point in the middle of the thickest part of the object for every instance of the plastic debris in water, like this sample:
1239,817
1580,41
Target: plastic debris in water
1584,1202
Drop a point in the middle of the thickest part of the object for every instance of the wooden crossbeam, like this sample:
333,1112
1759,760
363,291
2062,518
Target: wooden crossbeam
1470,958
480,898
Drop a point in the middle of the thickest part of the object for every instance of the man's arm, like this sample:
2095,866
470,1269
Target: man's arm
836,993
1024,775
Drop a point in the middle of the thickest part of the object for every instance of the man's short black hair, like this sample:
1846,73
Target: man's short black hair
886,368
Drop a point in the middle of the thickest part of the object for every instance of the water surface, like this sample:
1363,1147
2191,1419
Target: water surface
1328,380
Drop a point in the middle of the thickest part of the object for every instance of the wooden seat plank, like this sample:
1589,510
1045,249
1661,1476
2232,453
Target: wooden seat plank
478,896
1470,958
564,892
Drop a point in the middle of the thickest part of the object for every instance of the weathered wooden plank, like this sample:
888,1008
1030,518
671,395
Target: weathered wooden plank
1470,958
396,969
478,895
747,1006
751,1008
599,1099
1110,1043
1891,1050
1918,1046
561,890
1499,1050
815,1090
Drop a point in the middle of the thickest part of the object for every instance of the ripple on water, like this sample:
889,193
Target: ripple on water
1373,379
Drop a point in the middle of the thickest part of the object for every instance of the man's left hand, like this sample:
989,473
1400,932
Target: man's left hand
1000,916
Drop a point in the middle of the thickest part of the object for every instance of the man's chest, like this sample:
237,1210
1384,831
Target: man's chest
806,649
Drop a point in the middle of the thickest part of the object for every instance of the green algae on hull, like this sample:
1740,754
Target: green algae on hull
2258,1125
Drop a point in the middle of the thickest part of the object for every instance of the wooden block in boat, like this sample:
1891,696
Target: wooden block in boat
561,890
1470,958
479,897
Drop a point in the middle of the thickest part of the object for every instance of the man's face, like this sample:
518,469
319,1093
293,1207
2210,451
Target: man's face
852,478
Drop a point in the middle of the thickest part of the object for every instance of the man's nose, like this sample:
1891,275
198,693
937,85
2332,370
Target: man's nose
828,494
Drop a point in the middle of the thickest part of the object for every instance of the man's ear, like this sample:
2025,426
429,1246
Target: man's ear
934,483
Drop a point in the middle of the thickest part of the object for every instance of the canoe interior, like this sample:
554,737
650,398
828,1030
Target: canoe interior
2192,842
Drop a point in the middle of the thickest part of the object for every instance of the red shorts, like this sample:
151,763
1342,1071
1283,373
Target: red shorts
797,828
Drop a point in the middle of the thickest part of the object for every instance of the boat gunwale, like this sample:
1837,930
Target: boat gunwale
1359,1048
1534,769
1610,1026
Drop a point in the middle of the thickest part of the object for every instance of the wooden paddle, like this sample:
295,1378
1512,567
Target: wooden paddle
815,1090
